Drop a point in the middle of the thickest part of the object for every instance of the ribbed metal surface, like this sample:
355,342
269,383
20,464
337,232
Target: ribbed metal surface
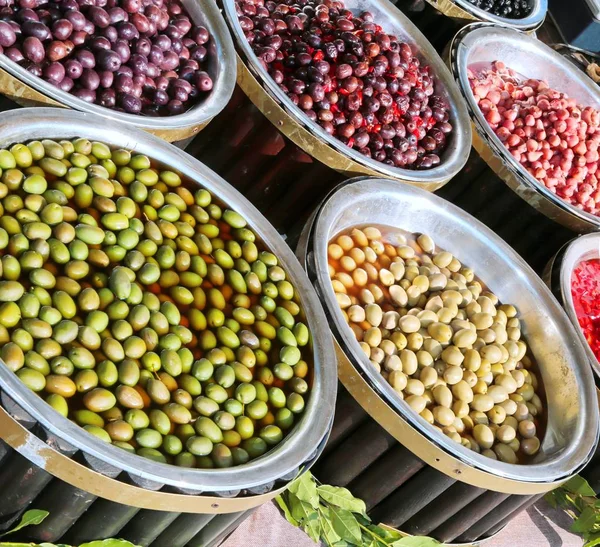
401,490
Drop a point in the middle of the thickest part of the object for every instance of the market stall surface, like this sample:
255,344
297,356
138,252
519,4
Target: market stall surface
539,526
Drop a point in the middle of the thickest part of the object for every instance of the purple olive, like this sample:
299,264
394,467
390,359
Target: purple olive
14,54
87,95
33,49
98,43
89,79
125,70
62,29
130,103
111,34
123,83
106,78
121,48
107,98
141,22
99,16
203,81
117,15
73,69
170,61
78,37
76,18
35,69
156,55
131,6
54,71
108,60
89,27
26,14
66,84
138,63
7,35
127,31
143,46
153,71
36,29
162,83
162,42
175,107
86,58
161,97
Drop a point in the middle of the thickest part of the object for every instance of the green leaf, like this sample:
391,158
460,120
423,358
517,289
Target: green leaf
578,485
341,497
344,543
345,524
312,526
305,489
29,518
286,510
592,542
329,534
301,510
585,522
415,541
385,532
109,543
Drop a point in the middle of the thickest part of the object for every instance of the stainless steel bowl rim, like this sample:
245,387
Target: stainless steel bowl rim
199,114
532,21
459,48
344,196
461,135
574,252
36,123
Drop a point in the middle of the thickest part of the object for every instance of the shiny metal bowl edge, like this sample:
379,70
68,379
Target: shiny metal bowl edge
37,123
395,22
572,419
485,43
558,276
221,68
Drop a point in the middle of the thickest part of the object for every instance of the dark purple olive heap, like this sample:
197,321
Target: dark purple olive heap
511,9
138,56
359,83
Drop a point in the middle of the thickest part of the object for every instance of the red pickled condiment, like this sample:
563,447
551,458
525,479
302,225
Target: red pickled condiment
585,290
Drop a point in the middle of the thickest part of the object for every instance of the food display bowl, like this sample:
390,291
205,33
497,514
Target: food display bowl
410,475
463,9
28,90
558,276
485,43
94,490
316,142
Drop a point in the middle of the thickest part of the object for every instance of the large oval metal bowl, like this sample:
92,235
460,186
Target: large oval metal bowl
221,67
485,43
38,123
466,10
393,21
559,274
572,409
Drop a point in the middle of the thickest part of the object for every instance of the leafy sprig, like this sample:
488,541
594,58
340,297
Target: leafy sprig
333,515
578,499
36,516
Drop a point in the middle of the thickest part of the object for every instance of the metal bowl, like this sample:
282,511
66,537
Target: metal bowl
466,10
394,22
572,410
558,277
221,68
38,123
485,43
